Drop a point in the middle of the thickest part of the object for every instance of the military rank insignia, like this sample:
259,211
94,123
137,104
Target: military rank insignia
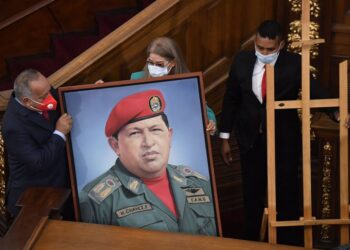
133,184
186,171
193,191
104,188
155,103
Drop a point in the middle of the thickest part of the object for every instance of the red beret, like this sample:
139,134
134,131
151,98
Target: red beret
134,107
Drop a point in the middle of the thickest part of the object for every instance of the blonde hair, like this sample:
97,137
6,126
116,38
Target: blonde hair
170,51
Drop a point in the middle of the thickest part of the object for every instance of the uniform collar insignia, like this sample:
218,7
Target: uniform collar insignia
133,184
127,179
178,179
176,176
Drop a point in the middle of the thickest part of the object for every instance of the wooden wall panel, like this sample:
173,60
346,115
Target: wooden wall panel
230,192
31,35
10,8
339,10
79,15
27,37
336,31
209,34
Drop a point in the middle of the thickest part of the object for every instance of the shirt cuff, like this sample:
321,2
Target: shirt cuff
224,135
60,134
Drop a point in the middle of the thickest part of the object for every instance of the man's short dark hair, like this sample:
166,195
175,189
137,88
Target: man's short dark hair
164,118
270,29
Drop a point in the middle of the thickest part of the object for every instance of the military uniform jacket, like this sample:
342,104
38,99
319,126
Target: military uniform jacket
119,198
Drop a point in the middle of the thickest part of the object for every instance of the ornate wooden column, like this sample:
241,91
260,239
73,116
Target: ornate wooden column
326,175
3,215
2,176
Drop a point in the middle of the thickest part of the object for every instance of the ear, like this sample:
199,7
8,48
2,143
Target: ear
26,102
282,43
170,135
170,132
172,64
113,142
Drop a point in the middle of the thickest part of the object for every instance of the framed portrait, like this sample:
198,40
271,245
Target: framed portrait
139,154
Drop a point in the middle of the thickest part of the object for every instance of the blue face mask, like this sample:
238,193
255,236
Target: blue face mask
267,59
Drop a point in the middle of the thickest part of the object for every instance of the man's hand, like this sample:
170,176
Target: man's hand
99,81
226,151
346,122
64,123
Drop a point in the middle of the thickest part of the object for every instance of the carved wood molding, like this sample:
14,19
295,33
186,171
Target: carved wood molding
218,68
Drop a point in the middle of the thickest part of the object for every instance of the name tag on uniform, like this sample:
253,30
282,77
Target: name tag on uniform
133,209
198,199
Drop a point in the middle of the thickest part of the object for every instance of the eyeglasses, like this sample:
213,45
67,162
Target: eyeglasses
159,64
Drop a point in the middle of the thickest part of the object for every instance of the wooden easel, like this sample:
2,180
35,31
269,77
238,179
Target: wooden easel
305,104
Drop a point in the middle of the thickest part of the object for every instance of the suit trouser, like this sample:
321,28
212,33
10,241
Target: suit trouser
254,173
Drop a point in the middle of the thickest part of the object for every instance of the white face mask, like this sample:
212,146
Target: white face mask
157,71
267,59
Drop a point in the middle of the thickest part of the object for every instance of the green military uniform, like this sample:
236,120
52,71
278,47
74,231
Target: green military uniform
119,198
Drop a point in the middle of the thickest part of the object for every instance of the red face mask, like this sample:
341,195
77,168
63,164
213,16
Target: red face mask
49,103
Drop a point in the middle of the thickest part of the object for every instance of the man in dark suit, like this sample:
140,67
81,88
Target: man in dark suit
34,135
244,110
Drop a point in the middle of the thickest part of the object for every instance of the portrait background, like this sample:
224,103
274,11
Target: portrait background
90,109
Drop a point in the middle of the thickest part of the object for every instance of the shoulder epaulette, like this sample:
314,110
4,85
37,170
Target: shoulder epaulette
104,188
186,171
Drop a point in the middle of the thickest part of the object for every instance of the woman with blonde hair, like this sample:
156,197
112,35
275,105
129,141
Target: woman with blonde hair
164,57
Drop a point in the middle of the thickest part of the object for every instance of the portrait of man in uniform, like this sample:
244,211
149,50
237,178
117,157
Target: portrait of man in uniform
146,186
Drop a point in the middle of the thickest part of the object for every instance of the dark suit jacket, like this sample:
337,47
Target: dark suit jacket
36,156
243,112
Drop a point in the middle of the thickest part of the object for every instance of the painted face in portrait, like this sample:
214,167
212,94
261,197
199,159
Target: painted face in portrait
144,146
